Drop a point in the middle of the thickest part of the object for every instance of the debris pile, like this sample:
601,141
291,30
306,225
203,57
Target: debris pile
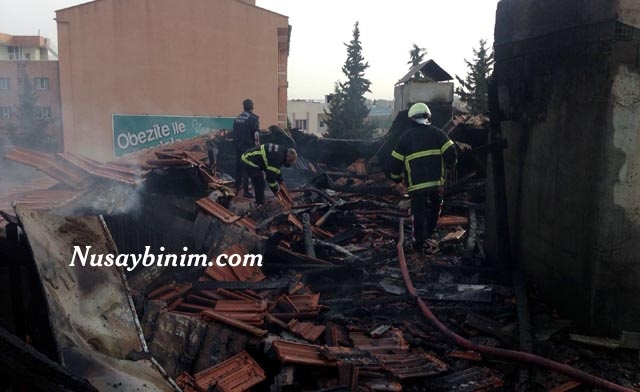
328,309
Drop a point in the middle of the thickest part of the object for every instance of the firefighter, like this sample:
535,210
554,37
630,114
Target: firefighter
267,158
421,155
245,136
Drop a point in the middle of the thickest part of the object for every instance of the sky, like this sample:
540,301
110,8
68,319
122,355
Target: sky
448,29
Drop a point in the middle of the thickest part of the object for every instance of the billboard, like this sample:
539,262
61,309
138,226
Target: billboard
132,132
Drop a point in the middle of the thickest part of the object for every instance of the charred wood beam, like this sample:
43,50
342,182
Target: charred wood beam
308,235
350,256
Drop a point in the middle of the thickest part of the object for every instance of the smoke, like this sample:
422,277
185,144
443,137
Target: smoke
13,174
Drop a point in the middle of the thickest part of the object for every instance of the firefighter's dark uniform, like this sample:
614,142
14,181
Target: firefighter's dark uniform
245,127
421,154
268,158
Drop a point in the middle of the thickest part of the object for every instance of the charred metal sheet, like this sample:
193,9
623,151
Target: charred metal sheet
302,354
236,374
90,309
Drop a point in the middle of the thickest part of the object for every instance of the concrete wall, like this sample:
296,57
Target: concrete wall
48,98
569,93
311,111
172,57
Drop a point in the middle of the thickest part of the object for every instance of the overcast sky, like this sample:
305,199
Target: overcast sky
449,29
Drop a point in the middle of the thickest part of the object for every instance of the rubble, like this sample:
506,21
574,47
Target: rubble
329,308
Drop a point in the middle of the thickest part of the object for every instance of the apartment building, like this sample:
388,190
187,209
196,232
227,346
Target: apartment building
28,72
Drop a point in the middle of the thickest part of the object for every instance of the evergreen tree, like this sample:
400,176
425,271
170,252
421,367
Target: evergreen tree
347,105
474,88
30,128
416,55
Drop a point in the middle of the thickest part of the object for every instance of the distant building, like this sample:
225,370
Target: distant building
308,115
28,56
25,48
143,72
380,114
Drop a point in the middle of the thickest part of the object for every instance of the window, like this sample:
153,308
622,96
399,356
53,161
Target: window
44,112
27,56
321,124
15,52
5,111
301,124
4,83
41,83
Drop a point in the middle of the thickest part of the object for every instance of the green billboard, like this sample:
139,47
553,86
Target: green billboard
132,132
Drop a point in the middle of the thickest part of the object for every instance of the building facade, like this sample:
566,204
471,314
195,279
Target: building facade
30,87
573,163
308,115
167,58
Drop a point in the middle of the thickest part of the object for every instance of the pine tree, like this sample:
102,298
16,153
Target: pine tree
30,128
416,55
474,88
347,106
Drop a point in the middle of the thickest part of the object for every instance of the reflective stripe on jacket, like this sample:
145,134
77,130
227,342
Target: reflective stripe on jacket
269,158
421,154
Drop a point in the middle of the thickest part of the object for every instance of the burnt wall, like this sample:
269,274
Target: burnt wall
570,165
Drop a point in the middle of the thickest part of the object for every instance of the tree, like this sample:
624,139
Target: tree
30,128
474,88
347,105
416,56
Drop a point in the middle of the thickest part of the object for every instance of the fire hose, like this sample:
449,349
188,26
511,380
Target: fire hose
511,355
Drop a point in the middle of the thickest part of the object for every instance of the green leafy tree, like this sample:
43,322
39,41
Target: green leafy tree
473,90
347,105
29,130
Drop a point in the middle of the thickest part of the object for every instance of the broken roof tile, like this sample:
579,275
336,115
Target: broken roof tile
306,330
216,316
236,374
298,353
224,215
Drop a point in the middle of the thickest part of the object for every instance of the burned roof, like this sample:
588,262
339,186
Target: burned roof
430,69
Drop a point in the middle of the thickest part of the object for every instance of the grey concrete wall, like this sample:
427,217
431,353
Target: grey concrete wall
572,161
